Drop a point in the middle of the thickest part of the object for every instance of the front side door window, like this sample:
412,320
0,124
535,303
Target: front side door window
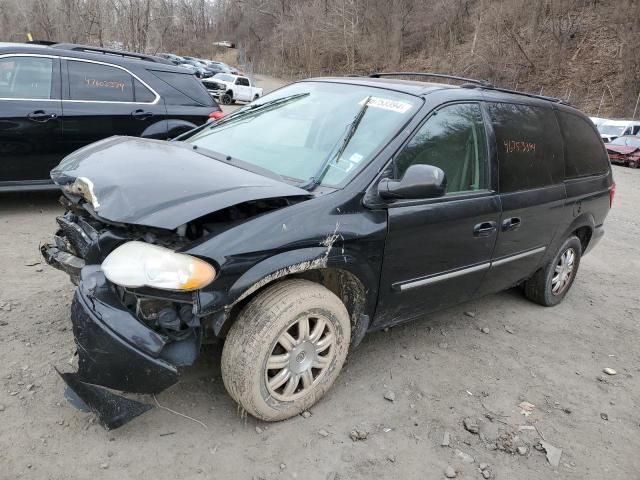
452,139
28,78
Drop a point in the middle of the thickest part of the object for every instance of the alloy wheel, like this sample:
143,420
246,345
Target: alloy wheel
300,357
563,271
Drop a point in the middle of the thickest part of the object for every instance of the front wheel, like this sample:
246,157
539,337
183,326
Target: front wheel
285,349
550,284
226,99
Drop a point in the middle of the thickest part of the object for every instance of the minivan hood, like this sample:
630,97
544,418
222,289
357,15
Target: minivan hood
159,184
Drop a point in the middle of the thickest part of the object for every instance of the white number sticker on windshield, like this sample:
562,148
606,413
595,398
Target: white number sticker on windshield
387,104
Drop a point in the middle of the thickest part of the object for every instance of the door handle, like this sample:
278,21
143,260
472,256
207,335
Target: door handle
141,114
511,224
484,229
41,116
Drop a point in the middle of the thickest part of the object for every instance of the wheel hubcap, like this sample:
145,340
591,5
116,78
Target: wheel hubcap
300,357
563,271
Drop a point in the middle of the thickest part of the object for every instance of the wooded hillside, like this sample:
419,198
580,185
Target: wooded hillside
584,50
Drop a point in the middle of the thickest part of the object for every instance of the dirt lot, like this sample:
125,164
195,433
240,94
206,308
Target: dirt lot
441,370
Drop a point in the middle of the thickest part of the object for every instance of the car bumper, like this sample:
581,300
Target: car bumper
118,352
596,236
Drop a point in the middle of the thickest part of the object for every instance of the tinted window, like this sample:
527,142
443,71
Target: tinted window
453,140
143,94
584,153
529,146
26,77
243,81
183,89
92,81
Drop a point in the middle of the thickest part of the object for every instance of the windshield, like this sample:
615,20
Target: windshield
628,141
224,77
294,137
610,129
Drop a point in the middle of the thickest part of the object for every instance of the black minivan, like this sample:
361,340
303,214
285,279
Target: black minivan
327,209
57,98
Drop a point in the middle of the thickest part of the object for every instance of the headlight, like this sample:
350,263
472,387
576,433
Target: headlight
140,264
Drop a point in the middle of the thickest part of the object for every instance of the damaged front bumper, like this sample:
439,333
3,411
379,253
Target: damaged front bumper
117,351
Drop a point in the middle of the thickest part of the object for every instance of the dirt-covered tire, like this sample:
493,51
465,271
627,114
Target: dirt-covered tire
549,285
294,326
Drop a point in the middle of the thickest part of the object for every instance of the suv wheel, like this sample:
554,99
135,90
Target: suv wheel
550,284
226,99
285,349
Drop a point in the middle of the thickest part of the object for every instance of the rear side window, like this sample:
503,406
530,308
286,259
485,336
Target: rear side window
529,146
183,89
97,82
584,153
142,93
26,77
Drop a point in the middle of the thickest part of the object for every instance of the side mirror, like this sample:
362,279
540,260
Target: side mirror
419,181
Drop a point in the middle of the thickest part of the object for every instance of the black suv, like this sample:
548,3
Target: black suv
326,209
55,99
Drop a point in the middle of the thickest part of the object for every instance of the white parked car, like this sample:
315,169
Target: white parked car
231,88
612,129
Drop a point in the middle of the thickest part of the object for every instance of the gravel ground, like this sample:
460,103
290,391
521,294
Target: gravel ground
402,392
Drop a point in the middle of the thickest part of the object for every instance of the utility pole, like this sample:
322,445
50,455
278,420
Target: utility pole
636,109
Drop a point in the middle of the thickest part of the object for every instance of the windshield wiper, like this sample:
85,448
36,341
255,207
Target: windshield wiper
314,180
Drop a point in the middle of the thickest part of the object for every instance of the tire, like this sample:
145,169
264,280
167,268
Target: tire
226,99
256,337
542,289
255,97
633,164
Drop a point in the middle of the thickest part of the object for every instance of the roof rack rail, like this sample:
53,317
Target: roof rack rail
41,42
530,95
107,51
474,81
471,83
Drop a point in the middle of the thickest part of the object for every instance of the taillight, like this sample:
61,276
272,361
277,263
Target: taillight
216,115
612,193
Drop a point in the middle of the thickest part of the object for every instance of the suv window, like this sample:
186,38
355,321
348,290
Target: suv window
454,140
184,89
529,146
26,77
142,93
584,152
97,82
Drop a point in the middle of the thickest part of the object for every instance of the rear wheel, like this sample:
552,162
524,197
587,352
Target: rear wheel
256,96
550,284
286,349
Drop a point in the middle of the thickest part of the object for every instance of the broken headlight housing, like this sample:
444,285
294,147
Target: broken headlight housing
139,264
